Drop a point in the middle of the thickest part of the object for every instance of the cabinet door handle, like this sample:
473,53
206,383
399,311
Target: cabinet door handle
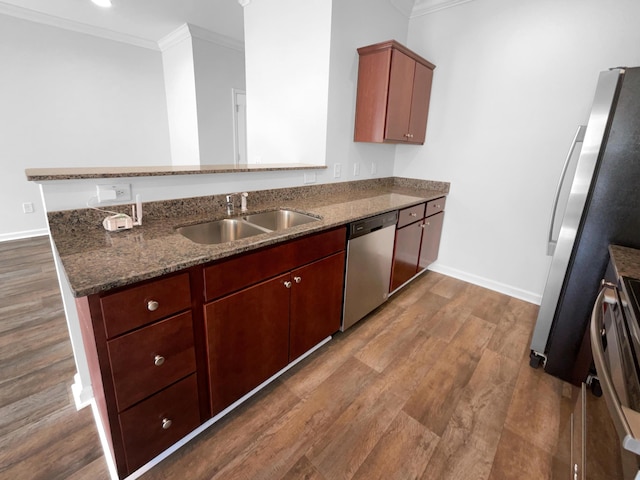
152,305
287,284
166,423
158,360
297,279
413,214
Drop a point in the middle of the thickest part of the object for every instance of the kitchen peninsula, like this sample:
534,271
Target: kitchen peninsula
159,314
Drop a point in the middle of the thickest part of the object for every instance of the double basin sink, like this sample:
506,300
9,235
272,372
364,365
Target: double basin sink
230,229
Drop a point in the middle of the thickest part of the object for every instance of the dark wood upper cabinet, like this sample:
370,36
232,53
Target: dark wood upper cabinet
394,88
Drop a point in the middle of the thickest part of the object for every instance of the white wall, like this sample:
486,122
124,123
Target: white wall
218,70
354,24
287,64
69,99
182,105
513,81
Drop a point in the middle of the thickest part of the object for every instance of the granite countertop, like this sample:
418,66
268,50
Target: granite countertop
95,260
74,173
625,260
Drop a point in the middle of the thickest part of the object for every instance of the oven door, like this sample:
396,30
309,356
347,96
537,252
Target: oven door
616,371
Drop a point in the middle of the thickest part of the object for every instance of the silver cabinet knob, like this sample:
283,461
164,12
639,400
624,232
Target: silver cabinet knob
297,279
287,284
158,360
152,305
166,423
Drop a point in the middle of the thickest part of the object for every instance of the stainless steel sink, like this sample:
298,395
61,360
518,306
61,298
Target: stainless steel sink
279,219
230,229
220,231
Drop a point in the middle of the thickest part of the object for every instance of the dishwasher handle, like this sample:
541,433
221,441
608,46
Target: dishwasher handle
372,224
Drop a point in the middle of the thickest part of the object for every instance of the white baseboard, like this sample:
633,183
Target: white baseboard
82,394
6,237
487,283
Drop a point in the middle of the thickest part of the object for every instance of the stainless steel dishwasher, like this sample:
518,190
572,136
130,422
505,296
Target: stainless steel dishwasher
369,259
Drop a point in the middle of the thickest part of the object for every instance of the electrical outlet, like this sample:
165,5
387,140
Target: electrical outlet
356,169
310,177
374,168
114,192
27,207
337,170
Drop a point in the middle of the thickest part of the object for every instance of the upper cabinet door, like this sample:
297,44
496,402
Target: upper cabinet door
420,103
400,93
394,89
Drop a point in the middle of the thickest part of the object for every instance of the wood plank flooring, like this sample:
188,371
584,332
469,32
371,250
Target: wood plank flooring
434,385
42,435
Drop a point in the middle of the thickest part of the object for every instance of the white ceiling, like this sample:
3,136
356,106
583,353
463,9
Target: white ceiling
146,22
140,22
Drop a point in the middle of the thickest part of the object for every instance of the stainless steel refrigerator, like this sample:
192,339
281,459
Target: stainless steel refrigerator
597,204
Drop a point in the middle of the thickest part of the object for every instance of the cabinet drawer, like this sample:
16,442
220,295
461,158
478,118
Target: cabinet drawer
314,247
435,206
157,423
410,215
149,359
242,271
137,306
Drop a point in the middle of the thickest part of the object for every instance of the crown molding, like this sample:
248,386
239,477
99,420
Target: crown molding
178,35
217,38
188,31
425,7
403,6
79,27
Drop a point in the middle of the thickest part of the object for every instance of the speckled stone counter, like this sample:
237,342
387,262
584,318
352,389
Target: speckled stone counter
625,260
75,173
95,260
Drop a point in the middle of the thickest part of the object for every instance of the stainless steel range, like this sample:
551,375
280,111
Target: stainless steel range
615,343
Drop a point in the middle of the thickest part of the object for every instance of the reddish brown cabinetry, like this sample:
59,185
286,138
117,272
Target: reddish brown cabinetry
287,301
140,348
394,89
417,240
247,339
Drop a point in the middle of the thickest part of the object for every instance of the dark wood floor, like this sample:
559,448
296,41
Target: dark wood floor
434,385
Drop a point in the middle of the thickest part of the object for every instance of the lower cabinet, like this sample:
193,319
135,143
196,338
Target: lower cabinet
247,339
155,424
316,303
430,244
406,254
417,240
142,359
263,325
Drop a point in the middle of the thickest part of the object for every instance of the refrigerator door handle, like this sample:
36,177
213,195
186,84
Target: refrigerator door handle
578,138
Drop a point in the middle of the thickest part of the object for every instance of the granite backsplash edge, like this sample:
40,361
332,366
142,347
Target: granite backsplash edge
77,219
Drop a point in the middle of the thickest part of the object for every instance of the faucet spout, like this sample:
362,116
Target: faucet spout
230,204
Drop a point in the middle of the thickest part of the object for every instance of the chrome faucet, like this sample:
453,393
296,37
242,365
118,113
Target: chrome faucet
230,203
243,202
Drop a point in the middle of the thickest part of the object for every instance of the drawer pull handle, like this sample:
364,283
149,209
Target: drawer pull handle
287,284
297,279
166,423
413,214
152,305
158,360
